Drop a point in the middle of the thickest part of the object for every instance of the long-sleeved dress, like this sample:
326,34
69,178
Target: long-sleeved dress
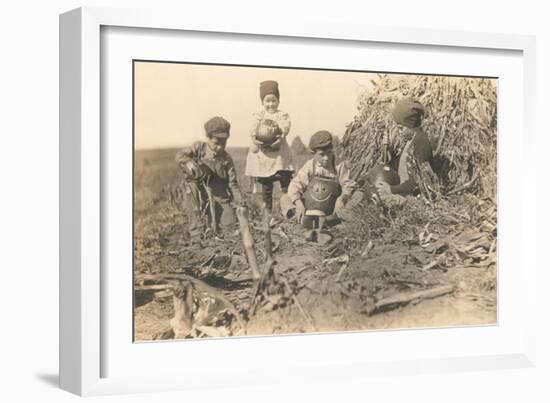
267,162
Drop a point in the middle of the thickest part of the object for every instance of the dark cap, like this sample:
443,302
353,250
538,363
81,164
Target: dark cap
269,87
321,139
408,112
217,127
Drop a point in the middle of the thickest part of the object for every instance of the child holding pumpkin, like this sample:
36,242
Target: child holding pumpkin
269,158
320,188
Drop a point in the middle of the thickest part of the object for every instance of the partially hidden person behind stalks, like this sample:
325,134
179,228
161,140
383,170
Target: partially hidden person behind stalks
210,181
414,160
320,188
269,158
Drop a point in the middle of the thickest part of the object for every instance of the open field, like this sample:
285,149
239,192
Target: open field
421,266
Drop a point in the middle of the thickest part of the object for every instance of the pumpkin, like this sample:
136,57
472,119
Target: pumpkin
267,131
194,171
321,195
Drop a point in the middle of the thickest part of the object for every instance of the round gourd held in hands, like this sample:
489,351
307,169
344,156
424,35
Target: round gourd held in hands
193,170
268,132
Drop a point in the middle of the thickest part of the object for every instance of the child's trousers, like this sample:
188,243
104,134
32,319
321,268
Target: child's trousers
283,177
198,212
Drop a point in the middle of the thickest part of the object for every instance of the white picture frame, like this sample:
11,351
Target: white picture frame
82,173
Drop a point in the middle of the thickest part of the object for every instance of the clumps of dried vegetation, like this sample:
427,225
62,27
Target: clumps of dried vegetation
460,120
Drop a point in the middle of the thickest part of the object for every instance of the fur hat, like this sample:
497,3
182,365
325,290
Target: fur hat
269,88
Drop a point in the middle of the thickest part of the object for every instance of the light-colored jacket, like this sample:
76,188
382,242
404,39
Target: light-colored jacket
300,182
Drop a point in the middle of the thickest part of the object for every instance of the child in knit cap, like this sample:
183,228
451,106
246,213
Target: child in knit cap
415,160
207,164
269,158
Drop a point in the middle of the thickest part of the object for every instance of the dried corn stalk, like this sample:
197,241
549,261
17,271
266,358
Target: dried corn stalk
460,120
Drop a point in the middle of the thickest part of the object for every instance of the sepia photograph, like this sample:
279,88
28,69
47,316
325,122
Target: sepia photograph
270,200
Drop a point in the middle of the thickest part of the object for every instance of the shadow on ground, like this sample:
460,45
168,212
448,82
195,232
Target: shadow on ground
49,379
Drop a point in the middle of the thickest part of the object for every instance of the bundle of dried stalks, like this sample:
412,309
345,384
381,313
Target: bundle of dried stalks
460,120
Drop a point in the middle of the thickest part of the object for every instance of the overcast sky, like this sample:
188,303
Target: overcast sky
172,101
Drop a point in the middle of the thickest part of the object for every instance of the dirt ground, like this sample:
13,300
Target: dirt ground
342,286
